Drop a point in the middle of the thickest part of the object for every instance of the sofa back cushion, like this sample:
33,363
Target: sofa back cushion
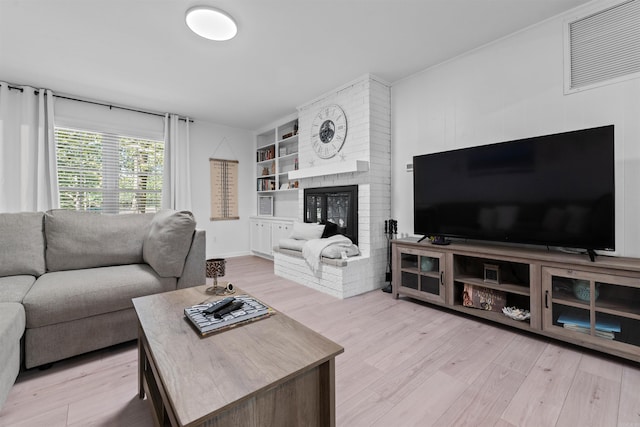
77,239
21,244
167,244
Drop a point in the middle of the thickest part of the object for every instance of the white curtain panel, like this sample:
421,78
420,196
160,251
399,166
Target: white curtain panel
176,188
28,174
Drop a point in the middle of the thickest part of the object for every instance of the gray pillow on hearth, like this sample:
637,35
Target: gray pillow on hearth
167,245
307,230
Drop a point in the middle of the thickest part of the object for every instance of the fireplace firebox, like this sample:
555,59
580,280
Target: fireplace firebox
338,205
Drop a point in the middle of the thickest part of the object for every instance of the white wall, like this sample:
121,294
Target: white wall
209,140
512,89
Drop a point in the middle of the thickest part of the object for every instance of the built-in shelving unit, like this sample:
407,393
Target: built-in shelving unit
276,156
592,304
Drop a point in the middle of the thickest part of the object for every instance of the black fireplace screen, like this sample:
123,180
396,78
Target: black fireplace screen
338,205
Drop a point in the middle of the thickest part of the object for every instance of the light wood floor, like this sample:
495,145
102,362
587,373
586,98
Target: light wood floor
405,364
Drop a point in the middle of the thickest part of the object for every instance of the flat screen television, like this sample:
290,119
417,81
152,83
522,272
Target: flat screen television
554,190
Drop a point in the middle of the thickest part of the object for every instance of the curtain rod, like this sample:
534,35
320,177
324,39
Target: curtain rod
36,92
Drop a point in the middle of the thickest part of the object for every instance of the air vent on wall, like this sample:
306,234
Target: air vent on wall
603,47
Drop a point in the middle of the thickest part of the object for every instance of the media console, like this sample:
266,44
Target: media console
569,297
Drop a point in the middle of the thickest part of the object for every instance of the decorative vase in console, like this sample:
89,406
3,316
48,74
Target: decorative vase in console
426,264
582,290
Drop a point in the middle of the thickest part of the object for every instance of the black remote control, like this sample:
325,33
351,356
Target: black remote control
233,307
219,305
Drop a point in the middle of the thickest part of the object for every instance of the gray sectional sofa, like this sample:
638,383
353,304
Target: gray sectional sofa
67,279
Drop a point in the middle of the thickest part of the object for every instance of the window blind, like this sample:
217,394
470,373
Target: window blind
108,173
605,46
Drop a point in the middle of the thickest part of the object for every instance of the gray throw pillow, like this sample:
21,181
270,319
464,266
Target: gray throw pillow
167,245
21,244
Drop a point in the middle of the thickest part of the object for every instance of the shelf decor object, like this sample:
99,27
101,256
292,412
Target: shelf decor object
516,313
483,298
582,290
492,274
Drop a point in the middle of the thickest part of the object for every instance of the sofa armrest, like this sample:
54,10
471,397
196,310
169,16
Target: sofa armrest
194,271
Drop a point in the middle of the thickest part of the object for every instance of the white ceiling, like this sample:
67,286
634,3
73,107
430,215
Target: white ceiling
139,53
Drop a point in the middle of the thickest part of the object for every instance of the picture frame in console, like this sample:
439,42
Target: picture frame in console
492,274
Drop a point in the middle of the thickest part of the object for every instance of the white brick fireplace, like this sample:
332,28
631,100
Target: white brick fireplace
365,161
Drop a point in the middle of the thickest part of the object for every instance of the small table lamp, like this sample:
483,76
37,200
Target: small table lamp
215,269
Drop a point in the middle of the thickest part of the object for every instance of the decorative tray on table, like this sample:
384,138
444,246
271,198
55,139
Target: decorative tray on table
246,309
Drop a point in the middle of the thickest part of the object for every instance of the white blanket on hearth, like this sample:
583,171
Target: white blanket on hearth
312,250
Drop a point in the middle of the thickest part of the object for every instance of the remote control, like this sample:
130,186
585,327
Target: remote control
236,305
219,305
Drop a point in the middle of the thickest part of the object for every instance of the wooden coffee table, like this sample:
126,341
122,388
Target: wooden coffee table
274,371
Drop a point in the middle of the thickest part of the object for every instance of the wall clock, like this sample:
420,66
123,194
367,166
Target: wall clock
328,131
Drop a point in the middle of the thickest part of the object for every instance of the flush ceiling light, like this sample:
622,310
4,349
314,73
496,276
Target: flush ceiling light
210,23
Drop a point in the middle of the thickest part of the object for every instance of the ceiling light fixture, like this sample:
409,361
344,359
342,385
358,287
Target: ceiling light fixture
210,23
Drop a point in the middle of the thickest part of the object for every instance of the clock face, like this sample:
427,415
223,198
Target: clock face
328,131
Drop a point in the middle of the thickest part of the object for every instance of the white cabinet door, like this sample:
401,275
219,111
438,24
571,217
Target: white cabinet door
261,236
266,233
255,235
264,238
280,230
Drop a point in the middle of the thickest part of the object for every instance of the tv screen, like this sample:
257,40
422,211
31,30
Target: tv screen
554,190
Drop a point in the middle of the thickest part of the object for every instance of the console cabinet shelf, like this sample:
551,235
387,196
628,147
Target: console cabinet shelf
592,304
593,307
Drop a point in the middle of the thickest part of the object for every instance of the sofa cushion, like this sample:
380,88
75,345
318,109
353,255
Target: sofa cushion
10,362
14,288
306,230
12,323
77,239
167,243
22,244
63,296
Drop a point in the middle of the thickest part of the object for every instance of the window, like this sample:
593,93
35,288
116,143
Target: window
108,173
603,47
